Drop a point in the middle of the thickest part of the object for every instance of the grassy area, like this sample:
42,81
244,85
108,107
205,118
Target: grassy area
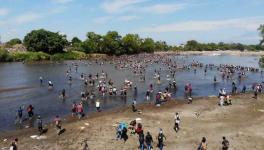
6,56
72,55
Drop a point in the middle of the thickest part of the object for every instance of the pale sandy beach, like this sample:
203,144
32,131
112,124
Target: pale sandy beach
242,123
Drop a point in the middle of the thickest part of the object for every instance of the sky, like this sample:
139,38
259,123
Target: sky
173,21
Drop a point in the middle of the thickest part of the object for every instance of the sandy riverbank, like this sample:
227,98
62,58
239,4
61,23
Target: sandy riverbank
212,53
242,123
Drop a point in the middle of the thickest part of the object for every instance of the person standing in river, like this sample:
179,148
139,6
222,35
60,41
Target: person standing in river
41,80
19,116
30,111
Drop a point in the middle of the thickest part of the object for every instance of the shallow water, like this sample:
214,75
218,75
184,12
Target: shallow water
48,104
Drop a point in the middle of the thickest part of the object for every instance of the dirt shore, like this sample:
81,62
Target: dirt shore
242,123
210,53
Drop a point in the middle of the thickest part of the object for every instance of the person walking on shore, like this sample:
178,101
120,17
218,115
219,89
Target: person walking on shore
13,145
80,110
161,138
149,141
141,139
177,122
97,105
225,144
40,125
57,121
203,144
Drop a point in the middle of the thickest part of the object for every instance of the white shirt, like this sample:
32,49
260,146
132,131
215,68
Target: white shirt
97,104
177,118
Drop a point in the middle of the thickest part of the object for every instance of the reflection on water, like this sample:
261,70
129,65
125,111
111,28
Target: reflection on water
48,104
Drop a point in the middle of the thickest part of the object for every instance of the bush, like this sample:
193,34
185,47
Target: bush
72,55
13,42
29,56
4,56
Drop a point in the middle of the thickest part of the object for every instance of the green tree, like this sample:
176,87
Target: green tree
4,55
192,46
93,43
112,43
14,42
46,41
76,44
261,32
131,43
161,46
148,45
75,40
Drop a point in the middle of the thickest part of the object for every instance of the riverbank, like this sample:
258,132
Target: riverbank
242,124
26,56
6,56
216,53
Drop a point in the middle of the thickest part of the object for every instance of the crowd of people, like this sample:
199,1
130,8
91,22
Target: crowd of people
99,85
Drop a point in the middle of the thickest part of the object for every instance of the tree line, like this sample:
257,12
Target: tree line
112,43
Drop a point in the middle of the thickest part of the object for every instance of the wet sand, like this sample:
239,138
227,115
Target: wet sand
242,123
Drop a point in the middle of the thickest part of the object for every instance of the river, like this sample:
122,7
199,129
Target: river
48,104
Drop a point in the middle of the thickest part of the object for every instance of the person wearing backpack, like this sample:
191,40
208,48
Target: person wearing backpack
203,144
161,138
124,135
141,139
13,145
149,141
225,144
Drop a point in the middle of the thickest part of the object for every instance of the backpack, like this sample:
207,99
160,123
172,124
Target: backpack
160,137
141,138
200,147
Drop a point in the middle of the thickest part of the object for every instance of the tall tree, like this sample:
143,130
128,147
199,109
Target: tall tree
131,43
112,43
261,32
93,43
148,45
46,41
192,46
75,40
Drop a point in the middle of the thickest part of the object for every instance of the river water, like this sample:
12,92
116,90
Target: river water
48,104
